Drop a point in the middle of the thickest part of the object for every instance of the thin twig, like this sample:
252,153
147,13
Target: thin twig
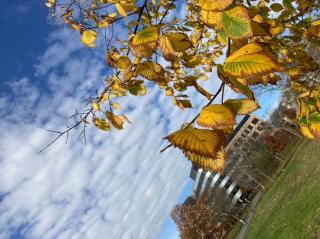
166,12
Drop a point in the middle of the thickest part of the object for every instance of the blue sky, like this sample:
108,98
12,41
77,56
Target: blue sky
24,31
119,183
111,185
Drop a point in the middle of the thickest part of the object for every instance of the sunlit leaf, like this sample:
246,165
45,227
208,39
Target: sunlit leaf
199,141
305,131
115,120
121,10
216,116
235,22
123,62
100,123
150,70
249,60
179,41
167,49
88,37
115,105
209,5
241,106
182,104
96,106
147,35
144,50
207,163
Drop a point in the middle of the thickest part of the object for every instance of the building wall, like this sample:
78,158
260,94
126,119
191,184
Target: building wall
247,132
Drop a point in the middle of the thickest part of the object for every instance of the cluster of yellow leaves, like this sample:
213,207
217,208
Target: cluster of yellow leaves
309,111
205,147
111,119
201,146
233,20
257,53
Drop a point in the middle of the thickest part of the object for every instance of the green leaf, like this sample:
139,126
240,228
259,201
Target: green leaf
236,22
314,118
136,87
277,7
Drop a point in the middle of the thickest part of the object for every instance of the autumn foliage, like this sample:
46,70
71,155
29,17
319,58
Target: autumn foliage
146,41
201,220
276,141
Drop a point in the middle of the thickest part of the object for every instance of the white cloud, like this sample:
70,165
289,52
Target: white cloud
118,186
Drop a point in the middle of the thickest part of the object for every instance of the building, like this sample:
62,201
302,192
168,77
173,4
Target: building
246,132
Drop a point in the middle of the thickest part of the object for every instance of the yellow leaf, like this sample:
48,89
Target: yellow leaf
104,97
124,118
315,129
103,23
210,5
150,70
121,10
96,106
101,124
242,106
172,43
115,105
123,62
258,18
212,19
216,116
235,21
88,37
167,49
169,91
276,30
179,41
112,15
115,120
305,131
199,141
208,163
182,104
249,60
143,50
147,35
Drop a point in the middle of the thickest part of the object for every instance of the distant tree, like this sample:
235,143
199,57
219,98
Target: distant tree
202,219
276,141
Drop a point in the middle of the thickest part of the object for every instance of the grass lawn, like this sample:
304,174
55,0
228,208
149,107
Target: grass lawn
291,208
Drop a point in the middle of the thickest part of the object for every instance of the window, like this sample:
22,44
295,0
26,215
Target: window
247,131
250,127
255,121
219,180
255,135
227,184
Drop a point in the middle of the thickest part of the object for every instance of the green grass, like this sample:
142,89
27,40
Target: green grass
291,208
